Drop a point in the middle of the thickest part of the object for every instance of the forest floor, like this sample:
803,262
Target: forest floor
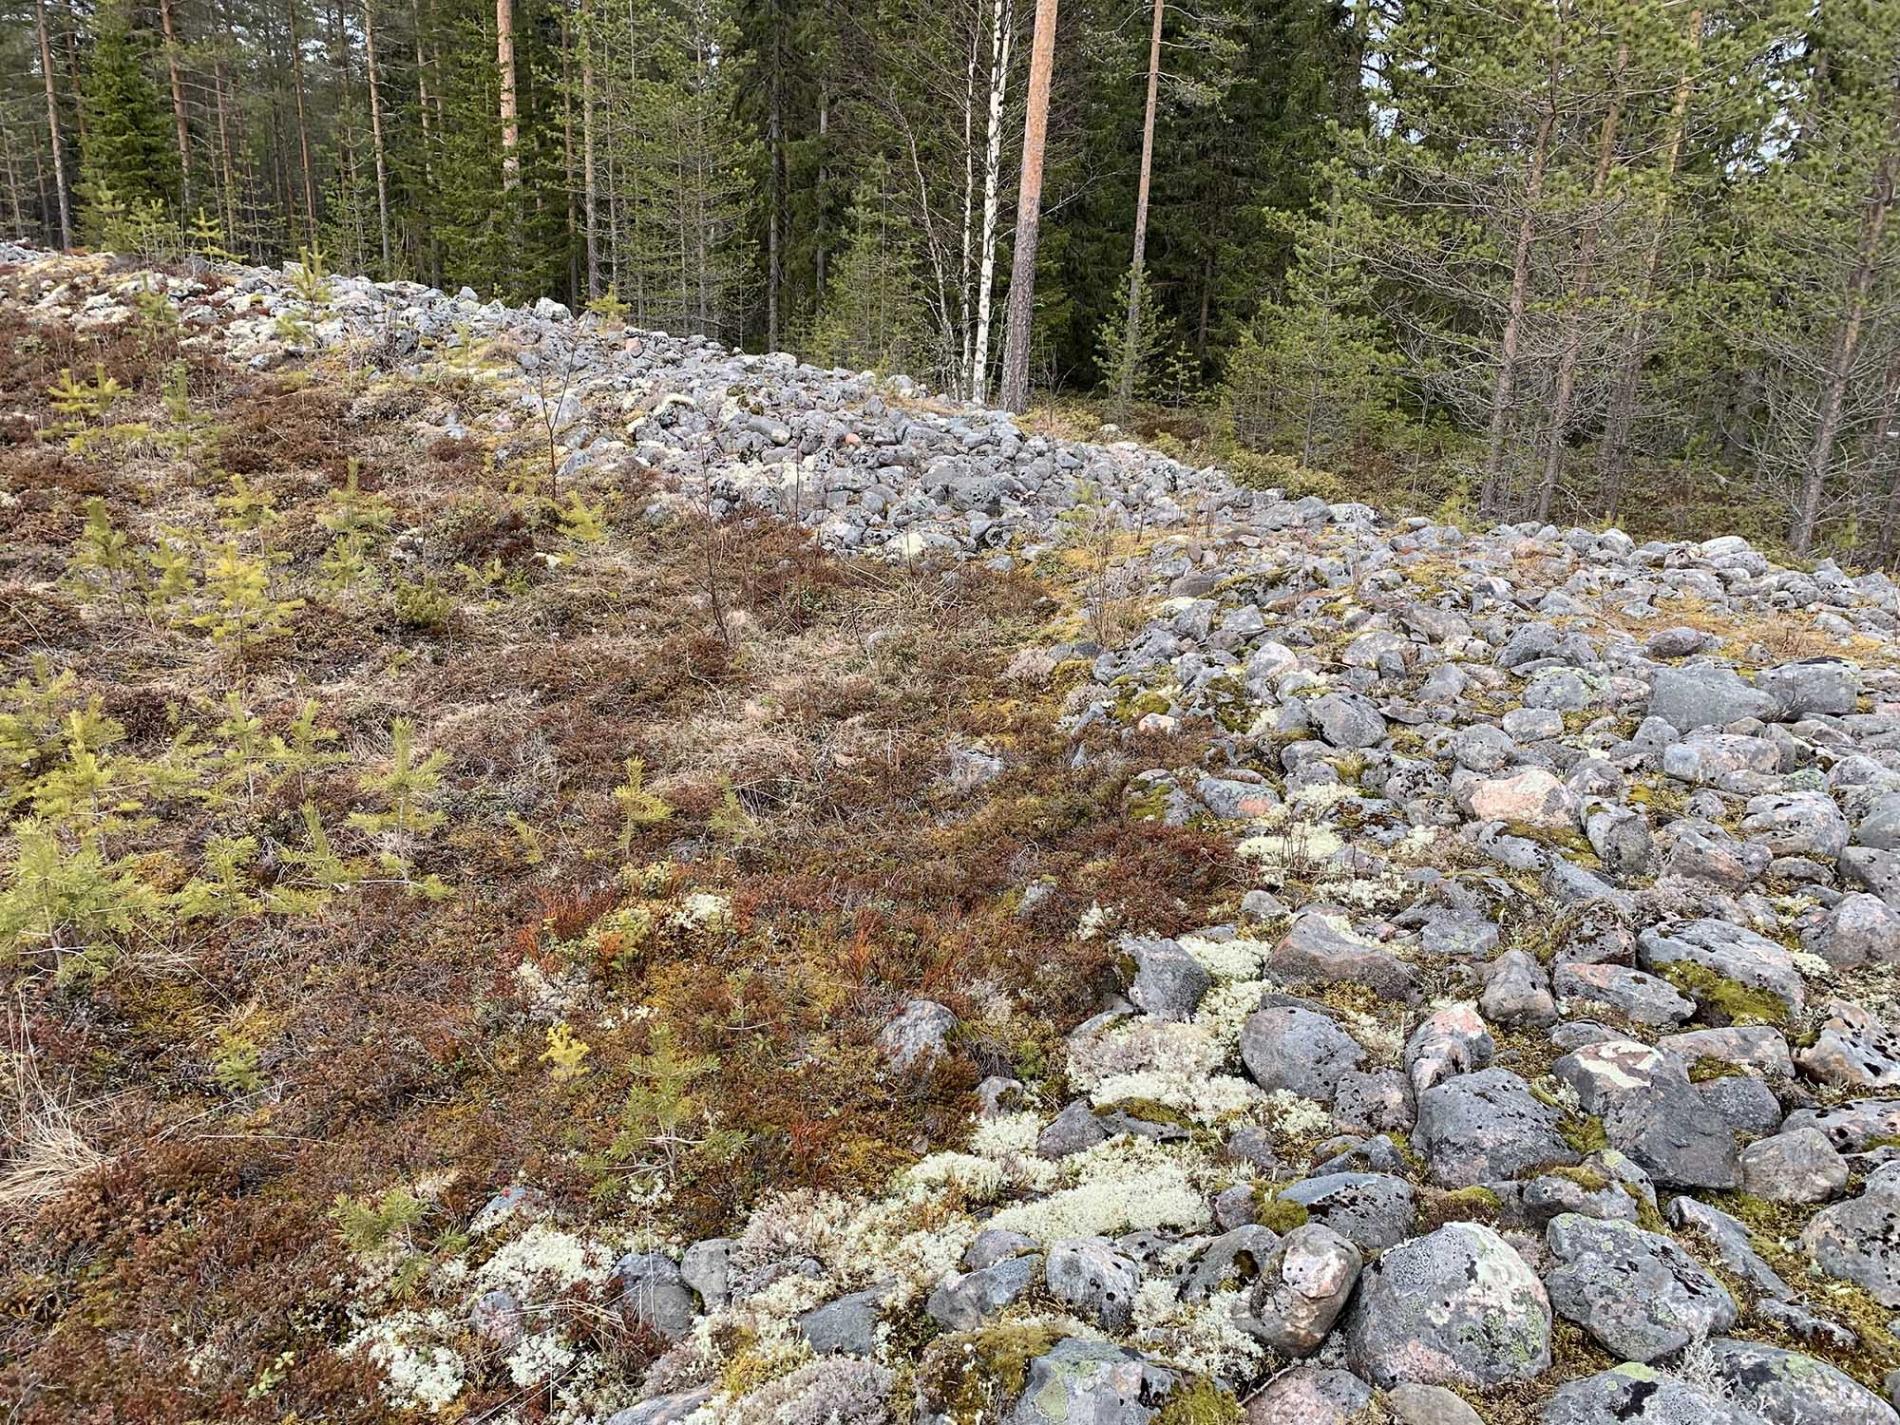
194,1096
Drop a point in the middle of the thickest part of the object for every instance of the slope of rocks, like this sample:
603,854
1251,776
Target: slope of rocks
1547,1071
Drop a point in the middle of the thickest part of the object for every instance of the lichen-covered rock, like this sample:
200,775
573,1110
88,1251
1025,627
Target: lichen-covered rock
1079,1382
1633,1394
1458,1307
1859,1240
1638,1293
1650,1111
1302,1287
1786,1386
1485,1127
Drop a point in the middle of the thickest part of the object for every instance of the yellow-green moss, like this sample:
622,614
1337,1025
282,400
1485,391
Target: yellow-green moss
1272,1210
1734,1003
1198,1401
972,1376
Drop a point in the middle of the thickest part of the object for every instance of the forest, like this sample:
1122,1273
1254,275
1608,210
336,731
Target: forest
1591,261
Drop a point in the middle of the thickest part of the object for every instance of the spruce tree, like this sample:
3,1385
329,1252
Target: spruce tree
127,152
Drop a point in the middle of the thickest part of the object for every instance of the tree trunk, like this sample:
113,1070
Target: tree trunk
1504,385
1003,22
1847,338
1621,420
590,185
1131,328
1580,293
179,121
819,250
303,127
505,67
52,129
1022,276
966,249
376,132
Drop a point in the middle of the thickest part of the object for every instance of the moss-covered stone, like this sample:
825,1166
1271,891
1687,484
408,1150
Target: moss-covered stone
1728,1001
972,1376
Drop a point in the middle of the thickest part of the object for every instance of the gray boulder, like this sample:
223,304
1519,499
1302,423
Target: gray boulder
1487,1127
1458,1308
1286,1047
1094,1279
963,1301
1859,1240
1169,983
1703,695
1633,1394
1637,1293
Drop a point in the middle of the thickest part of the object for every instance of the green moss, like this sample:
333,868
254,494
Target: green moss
1586,1176
1706,1070
1272,1210
1584,1132
1150,1110
971,1376
1198,1402
1732,1002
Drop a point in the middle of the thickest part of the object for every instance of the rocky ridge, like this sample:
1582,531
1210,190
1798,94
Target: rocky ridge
1547,1072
